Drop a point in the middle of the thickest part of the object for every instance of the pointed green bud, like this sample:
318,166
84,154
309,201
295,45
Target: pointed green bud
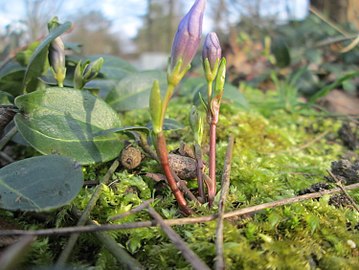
156,107
218,91
196,123
78,81
53,23
221,78
92,69
86,72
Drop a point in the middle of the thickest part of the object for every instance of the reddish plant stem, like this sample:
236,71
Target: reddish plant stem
161,149
212,162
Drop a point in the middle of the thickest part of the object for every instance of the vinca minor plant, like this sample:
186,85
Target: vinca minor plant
184,48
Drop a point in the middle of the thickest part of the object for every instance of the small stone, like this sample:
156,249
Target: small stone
184,167
351,243
131,157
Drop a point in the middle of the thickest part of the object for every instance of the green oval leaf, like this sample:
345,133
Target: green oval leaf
133,92
146,130
39,57
168,124
39,183
64,121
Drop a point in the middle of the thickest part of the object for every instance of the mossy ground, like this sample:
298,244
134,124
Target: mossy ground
278,151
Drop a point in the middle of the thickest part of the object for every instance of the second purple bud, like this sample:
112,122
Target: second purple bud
211,56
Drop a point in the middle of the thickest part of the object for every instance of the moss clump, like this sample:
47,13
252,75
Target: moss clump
277,153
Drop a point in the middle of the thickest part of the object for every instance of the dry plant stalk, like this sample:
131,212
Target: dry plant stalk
220,264
179,221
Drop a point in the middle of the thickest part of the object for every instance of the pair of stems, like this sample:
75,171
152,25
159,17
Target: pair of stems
161,150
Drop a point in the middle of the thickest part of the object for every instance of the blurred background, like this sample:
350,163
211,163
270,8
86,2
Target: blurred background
316,38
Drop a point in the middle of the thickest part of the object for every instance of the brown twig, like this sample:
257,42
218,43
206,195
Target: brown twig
13,255
125,259
220,264
179,221
181,245
328,21
85,215
340,185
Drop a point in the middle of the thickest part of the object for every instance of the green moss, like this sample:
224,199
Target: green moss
276,153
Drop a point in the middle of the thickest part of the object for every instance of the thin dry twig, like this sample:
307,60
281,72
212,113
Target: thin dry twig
328,21
13,255
7,137
220,264
340,185
181,245
125,259
137,209
179,221
84,217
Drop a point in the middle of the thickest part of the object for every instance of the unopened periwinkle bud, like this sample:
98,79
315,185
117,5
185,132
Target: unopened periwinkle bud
57,60
56,54
188,37
212,51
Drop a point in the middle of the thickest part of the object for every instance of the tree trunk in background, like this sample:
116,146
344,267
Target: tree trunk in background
149,25
340,11
171,20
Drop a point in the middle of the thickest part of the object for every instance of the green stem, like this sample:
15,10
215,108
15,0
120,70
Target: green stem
209,93
166,100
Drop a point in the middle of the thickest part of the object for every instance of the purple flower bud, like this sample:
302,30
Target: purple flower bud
212,50
57,55
188,36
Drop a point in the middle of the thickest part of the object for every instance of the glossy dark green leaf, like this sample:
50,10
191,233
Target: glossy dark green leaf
123,130
133,92
113,67
104,86
281,53
9,68
64,121
39,58
39,183
6,98
326,89
11,76
169,124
